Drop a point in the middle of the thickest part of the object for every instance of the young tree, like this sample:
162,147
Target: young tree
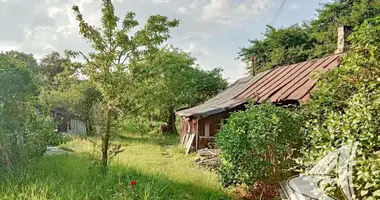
113,49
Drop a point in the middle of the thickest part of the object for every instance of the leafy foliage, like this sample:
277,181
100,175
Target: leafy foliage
76,97
24,132
51,65
172,82
27,59
280,47
313,39
256,144
107,66
345,109
337,13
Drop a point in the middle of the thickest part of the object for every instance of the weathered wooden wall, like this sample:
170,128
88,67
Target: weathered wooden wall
205,129
208,128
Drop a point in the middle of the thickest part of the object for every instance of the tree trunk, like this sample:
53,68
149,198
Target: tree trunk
171,121
105,141
151,120
90,128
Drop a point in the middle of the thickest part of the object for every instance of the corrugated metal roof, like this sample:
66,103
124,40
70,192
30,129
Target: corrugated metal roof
291,82
223,101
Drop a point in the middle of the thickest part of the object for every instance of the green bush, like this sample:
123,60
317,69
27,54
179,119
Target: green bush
346,108
258,144
24,131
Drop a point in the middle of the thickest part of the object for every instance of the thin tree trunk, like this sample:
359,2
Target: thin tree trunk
171,120
90,128
151,120
105,141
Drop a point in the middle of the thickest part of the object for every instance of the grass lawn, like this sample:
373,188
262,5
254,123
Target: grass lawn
159,166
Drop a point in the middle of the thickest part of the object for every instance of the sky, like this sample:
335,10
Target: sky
212,31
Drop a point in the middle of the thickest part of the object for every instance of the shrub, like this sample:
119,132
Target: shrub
24,132
346,108
358,122
256,144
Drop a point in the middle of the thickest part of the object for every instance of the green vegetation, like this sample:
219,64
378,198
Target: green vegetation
24,131
346,108
107,66
311,39
157,164
172,82
257,145
117,76
130,78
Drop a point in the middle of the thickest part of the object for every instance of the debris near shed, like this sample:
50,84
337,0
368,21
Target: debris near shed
208,158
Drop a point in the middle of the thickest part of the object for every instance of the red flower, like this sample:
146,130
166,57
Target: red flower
132,183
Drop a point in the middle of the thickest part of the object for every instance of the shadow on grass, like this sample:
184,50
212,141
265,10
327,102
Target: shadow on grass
75,177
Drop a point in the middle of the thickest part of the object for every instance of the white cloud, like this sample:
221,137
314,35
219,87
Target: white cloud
230,11
160,1
40,26
197,52
182,10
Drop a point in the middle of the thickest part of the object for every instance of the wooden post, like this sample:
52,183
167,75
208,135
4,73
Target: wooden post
253,66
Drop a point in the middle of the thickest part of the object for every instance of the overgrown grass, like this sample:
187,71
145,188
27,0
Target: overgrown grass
160,167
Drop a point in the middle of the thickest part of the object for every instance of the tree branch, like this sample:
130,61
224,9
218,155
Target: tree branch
88,60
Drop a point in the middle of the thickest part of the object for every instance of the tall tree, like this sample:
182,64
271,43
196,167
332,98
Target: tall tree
313,39
51,65
279,47
338,13
172,82
28,59
113,49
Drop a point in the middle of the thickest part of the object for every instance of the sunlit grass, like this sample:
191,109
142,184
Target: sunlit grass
159,165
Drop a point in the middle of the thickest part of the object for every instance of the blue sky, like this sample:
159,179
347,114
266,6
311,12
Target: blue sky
211,30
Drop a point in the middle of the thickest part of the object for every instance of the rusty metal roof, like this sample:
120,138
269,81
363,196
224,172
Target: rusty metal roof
223,101
291,82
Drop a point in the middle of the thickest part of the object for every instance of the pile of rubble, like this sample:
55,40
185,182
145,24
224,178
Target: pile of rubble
208,158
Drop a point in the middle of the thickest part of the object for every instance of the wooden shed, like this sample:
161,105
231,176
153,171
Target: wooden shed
68,123
289,84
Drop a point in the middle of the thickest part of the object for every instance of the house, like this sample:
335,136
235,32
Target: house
68,123
289,84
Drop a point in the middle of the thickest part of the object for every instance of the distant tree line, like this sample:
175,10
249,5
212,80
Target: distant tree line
308,40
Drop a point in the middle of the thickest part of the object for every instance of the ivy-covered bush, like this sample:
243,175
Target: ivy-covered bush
24,131
257,144
347,108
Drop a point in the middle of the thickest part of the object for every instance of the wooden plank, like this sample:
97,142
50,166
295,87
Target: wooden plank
207,137
189,143
182,139
186,139
196,135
